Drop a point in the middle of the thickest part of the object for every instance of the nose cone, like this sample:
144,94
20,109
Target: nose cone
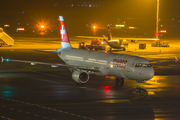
149,73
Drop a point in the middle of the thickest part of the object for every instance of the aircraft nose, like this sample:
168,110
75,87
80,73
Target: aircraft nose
149,73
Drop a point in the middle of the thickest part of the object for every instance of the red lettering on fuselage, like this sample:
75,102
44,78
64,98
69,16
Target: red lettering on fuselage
119,63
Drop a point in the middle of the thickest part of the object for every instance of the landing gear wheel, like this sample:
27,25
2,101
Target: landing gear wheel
138,89
119,81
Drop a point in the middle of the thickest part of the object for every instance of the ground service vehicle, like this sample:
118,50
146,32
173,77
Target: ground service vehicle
142,45
95,45
160,44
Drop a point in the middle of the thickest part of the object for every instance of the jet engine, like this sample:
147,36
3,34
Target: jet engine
80,76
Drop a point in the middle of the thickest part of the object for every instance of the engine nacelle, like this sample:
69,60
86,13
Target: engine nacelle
80,76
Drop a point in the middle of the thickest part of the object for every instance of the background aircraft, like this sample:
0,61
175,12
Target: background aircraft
117,43
83,63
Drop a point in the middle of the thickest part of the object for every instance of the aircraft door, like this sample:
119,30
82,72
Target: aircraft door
129,68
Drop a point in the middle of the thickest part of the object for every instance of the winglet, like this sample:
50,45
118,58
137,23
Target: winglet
2,59
176,59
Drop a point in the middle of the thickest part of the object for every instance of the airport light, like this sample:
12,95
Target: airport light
157,34
157,20
42,26
6,25
163,31
131,27
94,27
20,29
119,25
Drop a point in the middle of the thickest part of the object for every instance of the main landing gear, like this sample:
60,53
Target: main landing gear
119,81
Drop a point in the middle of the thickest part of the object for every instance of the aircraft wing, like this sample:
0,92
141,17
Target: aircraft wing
43,51
52,64
138,38
116,38
91,37
176,60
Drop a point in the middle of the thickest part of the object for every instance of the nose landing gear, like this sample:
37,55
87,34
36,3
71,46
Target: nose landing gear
119,81
138,88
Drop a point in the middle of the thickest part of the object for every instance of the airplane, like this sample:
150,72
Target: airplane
116,43
83,63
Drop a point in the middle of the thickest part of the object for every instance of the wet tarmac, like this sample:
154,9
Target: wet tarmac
44,93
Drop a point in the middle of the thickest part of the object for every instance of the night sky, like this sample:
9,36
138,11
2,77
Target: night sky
133,12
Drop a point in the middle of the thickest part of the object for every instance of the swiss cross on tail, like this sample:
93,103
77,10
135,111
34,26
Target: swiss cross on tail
63,34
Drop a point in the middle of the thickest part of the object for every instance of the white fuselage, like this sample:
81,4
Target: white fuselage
111,64
114,44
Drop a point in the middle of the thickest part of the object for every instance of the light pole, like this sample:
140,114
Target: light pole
157,20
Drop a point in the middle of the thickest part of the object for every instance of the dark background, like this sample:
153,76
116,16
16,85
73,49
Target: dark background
80,15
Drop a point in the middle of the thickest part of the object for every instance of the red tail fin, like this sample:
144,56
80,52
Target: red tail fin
63,34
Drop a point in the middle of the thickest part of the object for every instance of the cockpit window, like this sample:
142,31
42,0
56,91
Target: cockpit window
143,65
137,65
147,65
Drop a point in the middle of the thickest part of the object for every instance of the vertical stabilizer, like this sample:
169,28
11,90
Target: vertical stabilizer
109,33
65,43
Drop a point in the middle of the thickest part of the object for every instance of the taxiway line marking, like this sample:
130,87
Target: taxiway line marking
20,111
48,108
6,118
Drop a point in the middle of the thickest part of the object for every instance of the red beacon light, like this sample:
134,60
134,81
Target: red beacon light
107,88
105,51
157,34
